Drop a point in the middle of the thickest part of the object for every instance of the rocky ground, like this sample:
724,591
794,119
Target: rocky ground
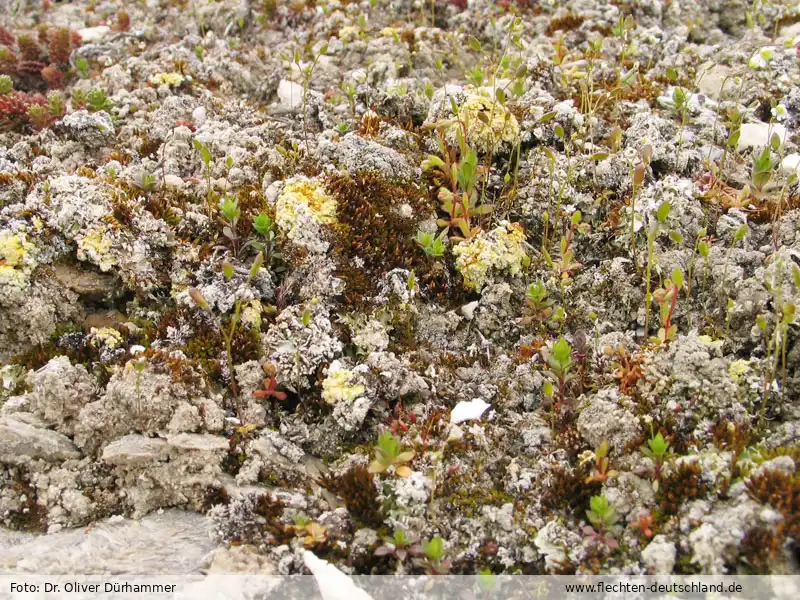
461,286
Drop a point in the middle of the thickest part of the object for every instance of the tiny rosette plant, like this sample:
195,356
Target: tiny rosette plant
389,452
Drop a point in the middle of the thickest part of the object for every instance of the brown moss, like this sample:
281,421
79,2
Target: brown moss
782,492
236,455
728,435
371,230
32,516
566,489
683,484
356,487
759,549
214,496
568,22
72,342
160,205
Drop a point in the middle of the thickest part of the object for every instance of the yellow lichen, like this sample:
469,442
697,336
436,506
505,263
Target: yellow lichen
251,314
501,249
488,123
340,385
94,247
348,33
11,248
170,79
106,336
307,195
738,368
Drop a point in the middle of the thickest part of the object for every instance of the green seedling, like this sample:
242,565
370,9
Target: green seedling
98,100
460,178
388,453
433,246
603,517
560,363
653,231
400,546
229,209
433,560
657,450
266,242
538,306
601,473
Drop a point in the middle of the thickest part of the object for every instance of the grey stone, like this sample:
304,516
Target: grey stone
20,440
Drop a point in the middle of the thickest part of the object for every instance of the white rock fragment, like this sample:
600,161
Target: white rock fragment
199,115
467,411
19,440
333,583
468,310
290,94
758,135
791,164
92,35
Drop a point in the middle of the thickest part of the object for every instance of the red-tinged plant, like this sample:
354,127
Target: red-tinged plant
29,49
270,385
400,546
6,37
645,524
52,76
14,110
59,45
8,62
122,21
270,390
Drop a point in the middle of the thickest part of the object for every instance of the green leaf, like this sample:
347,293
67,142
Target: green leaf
676,237
562,352
453,105
432,162
702,249
227,270
740,233
672,73
205,154
677,277
663,212
500,95
262,224
576,218
434,549
474,44
547,117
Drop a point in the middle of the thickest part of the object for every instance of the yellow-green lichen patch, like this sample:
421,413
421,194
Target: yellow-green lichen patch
341,385
95,246
16,260
170,79
488,123
105,336
306,195
501,249
11,248
738,368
